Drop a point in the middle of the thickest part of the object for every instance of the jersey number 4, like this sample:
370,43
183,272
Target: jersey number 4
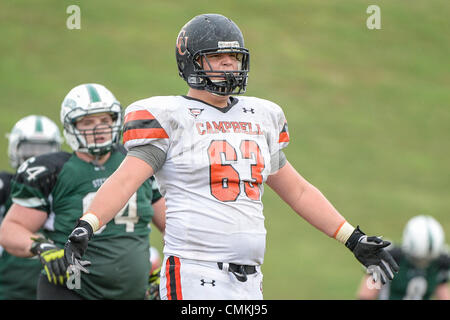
225,179
129,221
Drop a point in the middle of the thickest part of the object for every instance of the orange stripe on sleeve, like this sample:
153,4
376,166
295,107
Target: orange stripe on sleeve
139,115
145,133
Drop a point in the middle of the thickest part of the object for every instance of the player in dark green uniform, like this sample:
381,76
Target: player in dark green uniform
5,199
30,136
424,265
54,190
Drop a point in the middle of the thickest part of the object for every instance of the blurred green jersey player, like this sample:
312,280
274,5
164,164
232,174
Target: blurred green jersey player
424,265
31,136
55,189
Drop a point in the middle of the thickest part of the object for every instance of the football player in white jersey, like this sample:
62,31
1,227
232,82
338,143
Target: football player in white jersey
211,153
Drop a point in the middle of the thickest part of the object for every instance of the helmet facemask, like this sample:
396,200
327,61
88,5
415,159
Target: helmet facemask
222,82
33,148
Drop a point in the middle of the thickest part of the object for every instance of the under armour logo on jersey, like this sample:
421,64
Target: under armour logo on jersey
248,110
212,282
195,112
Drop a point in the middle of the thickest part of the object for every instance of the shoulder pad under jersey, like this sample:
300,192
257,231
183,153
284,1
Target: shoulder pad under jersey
42,172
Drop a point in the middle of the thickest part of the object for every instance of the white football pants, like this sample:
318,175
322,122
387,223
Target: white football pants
203,280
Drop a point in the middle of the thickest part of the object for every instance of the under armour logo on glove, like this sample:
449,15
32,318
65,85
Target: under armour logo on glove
212,282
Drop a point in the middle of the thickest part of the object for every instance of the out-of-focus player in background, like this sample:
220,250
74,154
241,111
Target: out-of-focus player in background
211,153
30,137
424,265
154,276
53,191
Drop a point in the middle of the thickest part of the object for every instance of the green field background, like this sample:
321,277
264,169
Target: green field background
368,110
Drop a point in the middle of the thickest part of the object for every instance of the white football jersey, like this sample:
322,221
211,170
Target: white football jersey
216,163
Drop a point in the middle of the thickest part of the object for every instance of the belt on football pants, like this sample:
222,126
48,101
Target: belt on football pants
240,271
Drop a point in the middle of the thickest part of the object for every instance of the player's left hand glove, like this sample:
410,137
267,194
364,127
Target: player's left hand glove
52,258
153,285
371,253
444,261
77,244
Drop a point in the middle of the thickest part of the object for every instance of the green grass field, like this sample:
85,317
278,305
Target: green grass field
368,110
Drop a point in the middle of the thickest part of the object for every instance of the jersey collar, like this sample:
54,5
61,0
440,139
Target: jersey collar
231,103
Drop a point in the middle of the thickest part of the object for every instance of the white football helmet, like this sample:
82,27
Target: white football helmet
155,259
423,239
32,136
87,99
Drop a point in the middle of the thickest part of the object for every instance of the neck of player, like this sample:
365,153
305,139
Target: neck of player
96,160
208,97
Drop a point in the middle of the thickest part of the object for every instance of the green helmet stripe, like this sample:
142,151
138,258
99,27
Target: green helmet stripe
93,94
39,126
430,238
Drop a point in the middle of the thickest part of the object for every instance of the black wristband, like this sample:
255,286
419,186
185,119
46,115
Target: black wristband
354,238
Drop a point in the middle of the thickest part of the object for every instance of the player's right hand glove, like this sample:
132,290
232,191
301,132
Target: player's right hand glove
52,258
371,253
444,261
153,285
77,244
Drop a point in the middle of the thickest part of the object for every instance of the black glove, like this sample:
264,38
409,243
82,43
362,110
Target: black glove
52,258
153,285
371,253
444,261
77,244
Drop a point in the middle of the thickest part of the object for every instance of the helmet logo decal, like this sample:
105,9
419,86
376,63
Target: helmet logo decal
182,43
70,103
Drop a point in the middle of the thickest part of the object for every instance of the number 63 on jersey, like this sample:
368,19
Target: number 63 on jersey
229,166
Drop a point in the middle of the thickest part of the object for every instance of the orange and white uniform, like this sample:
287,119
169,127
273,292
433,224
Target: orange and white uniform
216,161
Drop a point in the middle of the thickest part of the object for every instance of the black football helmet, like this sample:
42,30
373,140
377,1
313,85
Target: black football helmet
209,34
